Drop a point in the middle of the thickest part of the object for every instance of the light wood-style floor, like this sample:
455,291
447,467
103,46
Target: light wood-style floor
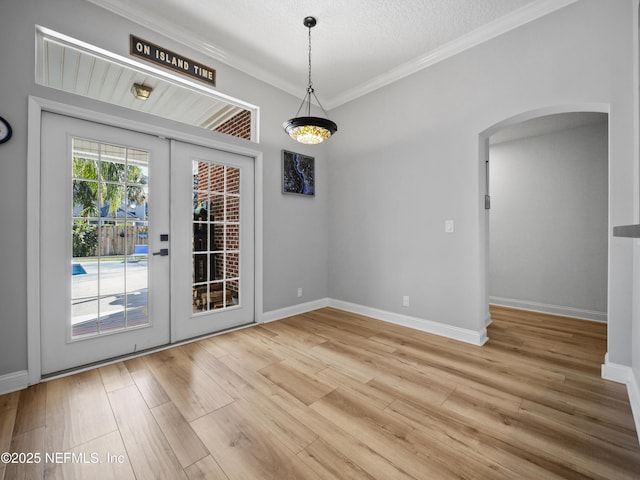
330,394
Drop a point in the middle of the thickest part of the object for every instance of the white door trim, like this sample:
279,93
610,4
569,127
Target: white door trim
36,106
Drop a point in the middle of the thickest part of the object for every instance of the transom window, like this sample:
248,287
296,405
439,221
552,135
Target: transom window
73,66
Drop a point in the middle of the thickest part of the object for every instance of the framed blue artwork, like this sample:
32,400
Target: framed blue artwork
298,173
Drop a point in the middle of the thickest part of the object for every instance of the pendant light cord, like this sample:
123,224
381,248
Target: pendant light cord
310,84
310,87
310,90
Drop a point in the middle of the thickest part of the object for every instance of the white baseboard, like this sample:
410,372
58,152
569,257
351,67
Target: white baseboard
12,382
456,333
550,309
299,309
633,389
623,374
616,372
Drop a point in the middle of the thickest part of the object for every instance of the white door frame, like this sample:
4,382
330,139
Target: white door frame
483,215
36,107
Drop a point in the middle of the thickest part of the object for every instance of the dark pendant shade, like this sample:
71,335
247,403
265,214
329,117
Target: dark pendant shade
310,130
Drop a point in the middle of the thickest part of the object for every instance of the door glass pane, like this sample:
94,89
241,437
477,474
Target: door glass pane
217,207
233,181
110,228
200,236
232,240
217,264
216,178
216,218
200,268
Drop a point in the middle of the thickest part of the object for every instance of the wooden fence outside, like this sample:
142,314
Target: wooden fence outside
119,240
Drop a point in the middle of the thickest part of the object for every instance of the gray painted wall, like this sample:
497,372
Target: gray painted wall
408,158
405,160
295,246
548,220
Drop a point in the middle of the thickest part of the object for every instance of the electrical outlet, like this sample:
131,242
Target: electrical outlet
405,301
299,291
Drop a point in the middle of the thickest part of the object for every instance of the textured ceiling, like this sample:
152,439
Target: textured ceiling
358,45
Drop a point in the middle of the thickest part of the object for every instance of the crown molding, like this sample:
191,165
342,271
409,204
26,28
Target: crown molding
164,27
502,25
187,38
509,22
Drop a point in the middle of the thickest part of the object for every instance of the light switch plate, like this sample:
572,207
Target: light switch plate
448,226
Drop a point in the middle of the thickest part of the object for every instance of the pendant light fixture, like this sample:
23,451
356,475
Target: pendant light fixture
308,129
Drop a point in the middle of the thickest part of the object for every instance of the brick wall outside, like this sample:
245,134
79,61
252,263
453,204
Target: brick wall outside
238,126
212,189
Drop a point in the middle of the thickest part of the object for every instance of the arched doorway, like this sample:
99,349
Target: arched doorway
532,123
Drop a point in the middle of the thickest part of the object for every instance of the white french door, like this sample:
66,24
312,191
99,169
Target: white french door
143,242
104,215
212,224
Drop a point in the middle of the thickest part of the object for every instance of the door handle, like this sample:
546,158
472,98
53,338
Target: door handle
163,252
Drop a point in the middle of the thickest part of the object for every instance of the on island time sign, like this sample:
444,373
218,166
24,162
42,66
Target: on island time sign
168,59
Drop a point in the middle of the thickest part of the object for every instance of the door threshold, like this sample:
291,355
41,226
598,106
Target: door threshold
141,353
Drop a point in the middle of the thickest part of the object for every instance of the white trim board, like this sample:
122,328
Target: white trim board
615,372
183,35
448,331
502,25
623,374
550,309
456,333
15,381
633,390
293,310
